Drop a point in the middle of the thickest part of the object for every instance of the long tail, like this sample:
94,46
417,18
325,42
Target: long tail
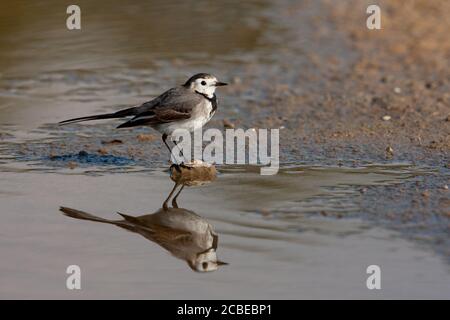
77,214
119,114
95,117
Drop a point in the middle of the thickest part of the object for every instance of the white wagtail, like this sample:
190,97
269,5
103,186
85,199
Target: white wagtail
189,106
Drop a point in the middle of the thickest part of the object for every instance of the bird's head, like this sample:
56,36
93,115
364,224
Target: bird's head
204,83
206,261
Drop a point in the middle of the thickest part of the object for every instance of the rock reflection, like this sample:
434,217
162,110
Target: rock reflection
182,232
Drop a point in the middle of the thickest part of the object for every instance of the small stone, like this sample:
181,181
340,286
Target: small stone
433,145
386,118
445,187
72,165
82,153
102,151
397,90
425,194
380,102
114,141
145,137
228,124
389,150
448,118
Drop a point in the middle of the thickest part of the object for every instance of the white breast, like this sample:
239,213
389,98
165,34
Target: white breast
200,116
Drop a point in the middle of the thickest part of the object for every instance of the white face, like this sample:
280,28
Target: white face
205,86
206,262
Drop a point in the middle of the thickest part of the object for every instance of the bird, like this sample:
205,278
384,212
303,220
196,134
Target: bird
188,106
182,232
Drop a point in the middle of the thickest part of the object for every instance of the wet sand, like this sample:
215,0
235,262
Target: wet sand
340,203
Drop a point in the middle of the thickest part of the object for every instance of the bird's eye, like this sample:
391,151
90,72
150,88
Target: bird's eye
203,83
205,265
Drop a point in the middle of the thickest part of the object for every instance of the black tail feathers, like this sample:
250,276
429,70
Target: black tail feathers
115,115
95,117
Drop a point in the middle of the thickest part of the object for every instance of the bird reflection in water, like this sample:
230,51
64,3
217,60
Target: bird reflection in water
180,231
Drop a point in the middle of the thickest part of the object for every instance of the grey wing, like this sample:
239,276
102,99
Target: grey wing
173,105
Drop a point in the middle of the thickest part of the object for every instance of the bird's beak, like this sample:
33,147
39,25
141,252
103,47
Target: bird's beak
221,263
219,84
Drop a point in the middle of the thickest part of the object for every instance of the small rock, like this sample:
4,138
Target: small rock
72,165
397,90
114,141
145,137
82,153
389,151
445,187
425,194
448,118
386,118
102,151
433,145
380,102
227,124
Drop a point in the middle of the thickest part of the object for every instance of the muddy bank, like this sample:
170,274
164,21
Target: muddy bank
389,102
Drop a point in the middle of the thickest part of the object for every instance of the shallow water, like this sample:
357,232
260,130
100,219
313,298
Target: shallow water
299,234
275,242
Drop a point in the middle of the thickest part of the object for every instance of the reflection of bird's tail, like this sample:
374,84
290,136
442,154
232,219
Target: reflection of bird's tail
77,214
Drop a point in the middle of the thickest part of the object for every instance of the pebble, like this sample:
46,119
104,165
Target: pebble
114,141
397,90
445,187
102,151
386,118
228,124
145,137
72,165
389,150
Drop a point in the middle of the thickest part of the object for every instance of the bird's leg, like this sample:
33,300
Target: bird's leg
174,200
164,139
165,207
180,151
